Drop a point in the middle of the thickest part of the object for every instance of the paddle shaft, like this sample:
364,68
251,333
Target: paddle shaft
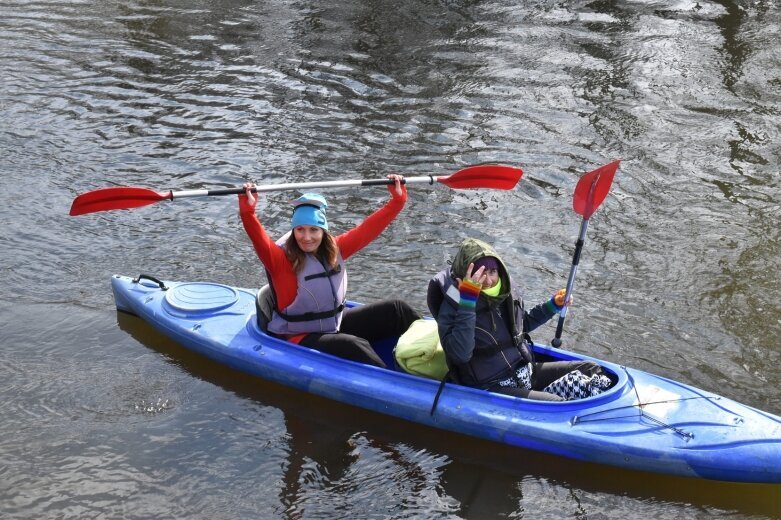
429,179
556,342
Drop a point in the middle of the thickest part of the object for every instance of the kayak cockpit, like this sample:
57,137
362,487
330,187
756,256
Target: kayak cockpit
264,306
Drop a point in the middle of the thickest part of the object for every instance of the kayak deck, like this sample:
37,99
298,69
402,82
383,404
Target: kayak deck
643,422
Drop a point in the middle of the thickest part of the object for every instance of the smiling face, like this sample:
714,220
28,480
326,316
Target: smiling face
308,238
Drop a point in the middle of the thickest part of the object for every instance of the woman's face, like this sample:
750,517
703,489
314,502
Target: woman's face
491,277
308,238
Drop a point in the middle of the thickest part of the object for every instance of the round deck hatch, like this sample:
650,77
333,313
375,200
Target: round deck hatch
200,297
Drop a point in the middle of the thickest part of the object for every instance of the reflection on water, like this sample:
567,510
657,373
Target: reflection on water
677,276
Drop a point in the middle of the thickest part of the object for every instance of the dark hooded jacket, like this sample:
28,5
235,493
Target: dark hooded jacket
489,343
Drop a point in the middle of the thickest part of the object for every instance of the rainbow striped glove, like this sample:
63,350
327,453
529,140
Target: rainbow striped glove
469,292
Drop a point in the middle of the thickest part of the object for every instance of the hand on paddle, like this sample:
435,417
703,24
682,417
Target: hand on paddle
558,299
251,199
397,189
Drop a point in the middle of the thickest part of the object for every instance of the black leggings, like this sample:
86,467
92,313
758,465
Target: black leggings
362,325
545,373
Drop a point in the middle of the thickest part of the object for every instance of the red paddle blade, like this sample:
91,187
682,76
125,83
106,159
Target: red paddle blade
495,176
105,199
592,189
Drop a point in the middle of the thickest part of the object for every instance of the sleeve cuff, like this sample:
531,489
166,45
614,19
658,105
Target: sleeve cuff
469,292
551,305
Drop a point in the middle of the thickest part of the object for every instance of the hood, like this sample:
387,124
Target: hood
471,250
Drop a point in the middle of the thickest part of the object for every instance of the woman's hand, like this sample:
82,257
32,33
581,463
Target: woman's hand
251,199
397,189
558,299
469,288
478,277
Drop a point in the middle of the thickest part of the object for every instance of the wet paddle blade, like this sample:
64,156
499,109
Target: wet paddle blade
494,176
592,189
105,199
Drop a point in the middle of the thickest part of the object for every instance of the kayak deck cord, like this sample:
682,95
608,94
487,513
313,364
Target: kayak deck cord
641,412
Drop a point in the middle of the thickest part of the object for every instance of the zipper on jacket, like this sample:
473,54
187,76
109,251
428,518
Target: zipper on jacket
496,344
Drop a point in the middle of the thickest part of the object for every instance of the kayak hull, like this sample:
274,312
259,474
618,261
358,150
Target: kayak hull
644,422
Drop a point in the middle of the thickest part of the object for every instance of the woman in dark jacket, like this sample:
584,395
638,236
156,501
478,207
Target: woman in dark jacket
483,328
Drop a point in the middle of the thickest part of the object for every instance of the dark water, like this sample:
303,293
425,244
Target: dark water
103,418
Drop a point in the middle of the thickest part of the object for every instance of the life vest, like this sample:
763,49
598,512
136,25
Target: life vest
319,302
500,344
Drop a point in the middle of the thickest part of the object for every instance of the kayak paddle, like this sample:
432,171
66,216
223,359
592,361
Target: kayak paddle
495,176
590,191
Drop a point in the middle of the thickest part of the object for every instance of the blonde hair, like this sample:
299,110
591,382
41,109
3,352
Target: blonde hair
326,252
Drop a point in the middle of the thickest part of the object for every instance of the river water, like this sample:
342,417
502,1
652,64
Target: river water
104,418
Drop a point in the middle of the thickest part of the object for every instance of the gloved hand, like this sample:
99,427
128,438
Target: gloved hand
469,291
558,299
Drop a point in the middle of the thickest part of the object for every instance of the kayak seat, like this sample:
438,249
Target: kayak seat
264,304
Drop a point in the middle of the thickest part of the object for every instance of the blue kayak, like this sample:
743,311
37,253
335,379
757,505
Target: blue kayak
644,422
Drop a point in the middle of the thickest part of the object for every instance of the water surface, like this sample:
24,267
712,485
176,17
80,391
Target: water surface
104,418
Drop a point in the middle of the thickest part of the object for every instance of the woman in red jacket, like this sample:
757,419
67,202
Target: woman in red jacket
307,272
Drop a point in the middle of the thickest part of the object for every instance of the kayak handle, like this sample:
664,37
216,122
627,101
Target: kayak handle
152,278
